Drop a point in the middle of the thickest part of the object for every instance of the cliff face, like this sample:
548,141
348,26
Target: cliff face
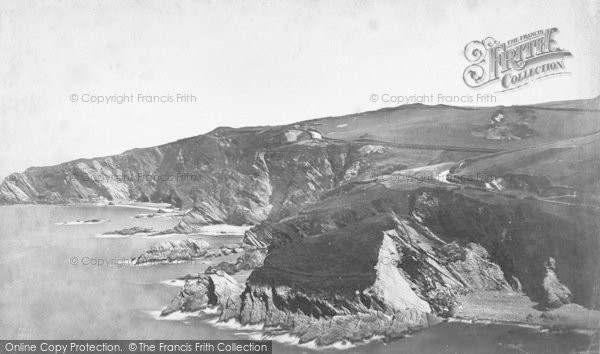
226,176
453,240
384,275
523,237
344,285
250,175
234,176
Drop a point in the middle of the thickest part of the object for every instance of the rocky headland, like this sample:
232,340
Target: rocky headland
506,202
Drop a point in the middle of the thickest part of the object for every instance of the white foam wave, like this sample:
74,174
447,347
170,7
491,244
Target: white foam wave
498,322
111,236
159,236
215,310
233,324
175,316
255,332
80,222
174,282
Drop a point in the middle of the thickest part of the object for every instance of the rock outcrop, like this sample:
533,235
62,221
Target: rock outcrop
173,251
384,275
189,249
465,243
250,259
340,297
521,236
556,293
204,292
131,231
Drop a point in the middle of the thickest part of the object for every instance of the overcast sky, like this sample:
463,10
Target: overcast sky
248,63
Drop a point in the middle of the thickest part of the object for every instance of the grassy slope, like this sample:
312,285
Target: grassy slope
572,162
445,125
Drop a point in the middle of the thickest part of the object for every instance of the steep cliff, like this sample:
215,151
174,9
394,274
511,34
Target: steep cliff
522,236
394,261
249,175
234,176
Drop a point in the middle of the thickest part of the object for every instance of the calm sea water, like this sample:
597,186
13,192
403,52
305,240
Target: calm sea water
43,295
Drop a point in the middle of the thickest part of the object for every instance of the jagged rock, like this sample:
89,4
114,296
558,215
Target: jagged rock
91,221
368,295
251,259
437,271
227,267
204,291
131,231
172,251
182,250
83,222
381,303
520,237
556,293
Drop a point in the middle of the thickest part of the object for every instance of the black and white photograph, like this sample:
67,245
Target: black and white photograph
300,176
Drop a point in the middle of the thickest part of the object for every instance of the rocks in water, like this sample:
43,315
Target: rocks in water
331,306
347,271
250,259
556,293
131,231
188,249
173,251
325,330
343,286
163,213
340,286
204,291
82,222
90,221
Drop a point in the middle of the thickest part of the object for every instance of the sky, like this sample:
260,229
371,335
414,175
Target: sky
248,63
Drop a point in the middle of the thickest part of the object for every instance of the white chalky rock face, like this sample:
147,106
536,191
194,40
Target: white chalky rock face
390,286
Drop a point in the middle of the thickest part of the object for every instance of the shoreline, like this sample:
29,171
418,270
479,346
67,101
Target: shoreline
283,336
133,205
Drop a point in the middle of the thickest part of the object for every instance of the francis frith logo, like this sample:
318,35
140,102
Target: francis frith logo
514,63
